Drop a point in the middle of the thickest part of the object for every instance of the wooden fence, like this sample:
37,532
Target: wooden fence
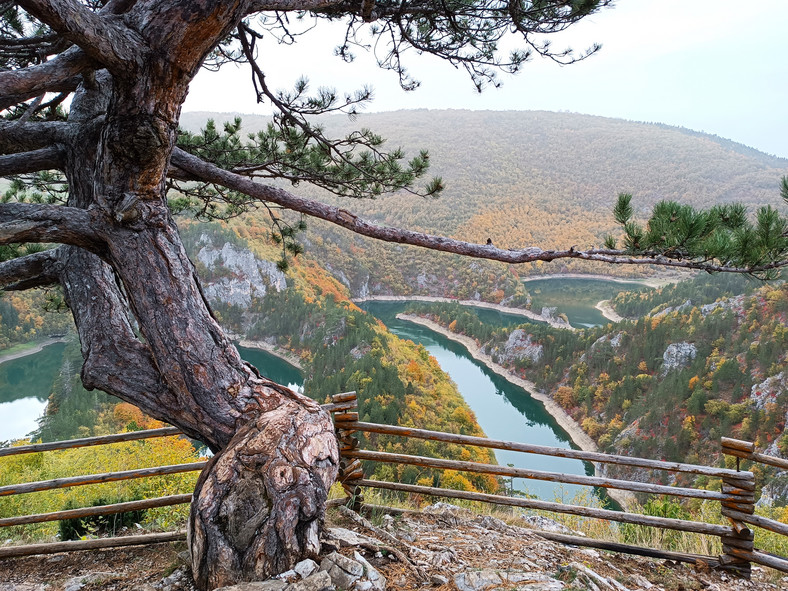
28,487
736,497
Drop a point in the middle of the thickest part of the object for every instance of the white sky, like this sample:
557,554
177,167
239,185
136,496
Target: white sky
719,66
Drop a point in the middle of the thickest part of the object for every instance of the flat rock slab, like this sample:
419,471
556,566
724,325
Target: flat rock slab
344,571
305,568
348,538
256,586
490,580
320,581
375,581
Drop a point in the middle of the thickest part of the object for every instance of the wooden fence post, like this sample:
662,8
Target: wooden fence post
350,469
741,537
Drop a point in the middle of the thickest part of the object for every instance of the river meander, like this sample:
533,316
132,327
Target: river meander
503,410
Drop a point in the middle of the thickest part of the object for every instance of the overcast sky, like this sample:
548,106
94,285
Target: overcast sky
719,66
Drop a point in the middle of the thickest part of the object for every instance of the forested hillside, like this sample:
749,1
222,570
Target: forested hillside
523,178
707,359
25,317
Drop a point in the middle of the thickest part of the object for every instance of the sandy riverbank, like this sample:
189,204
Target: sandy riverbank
290,358
472,303
31,351
608,312
567,423
649,281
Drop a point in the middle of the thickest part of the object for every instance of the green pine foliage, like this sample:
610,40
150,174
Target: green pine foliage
723,235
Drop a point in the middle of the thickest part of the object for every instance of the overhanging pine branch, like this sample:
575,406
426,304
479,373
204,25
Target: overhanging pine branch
60,74
290,5
34,270
341,217
26,162
33,222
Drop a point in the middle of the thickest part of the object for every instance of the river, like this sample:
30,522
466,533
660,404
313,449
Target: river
504,411
577,297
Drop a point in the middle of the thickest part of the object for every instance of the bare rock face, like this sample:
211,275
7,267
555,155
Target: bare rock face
736,304
677,356
766,392
776,492
500,579
241,275
682,308
520,345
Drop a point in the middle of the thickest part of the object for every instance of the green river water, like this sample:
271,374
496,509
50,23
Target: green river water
504,411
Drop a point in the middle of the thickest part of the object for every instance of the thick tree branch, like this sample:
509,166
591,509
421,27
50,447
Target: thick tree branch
34,270
33,222
291,5
103,37
18,137
43,159
60,74
341,217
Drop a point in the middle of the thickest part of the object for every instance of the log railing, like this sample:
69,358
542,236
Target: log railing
28,487
741,546
736,497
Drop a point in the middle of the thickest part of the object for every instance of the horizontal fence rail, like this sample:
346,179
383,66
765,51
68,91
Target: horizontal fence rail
746,450
644,487
589,456
28,487
97,510
88,441
609,514
54,548
736,497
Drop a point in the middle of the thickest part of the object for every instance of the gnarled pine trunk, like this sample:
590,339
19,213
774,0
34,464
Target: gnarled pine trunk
147,332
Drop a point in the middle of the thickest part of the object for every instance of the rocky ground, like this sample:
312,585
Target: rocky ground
443,549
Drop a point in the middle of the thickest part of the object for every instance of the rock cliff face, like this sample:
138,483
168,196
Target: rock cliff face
678,355
766,392
235,276
519,345
736,304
